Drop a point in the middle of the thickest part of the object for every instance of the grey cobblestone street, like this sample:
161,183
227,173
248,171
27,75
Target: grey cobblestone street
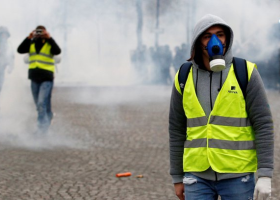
96,133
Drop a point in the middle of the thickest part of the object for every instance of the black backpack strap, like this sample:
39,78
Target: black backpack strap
183,74
241,73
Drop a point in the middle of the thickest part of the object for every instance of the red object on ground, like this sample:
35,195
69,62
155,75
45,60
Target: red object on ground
123,174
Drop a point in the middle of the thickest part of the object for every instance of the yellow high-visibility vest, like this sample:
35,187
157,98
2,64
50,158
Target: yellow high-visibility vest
43,60
224,141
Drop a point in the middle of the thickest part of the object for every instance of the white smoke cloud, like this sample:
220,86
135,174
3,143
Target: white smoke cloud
97,38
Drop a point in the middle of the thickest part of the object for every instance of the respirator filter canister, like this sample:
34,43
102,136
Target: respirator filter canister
215,51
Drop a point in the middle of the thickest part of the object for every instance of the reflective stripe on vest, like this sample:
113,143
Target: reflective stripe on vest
221,144
43,60
225,140
219,120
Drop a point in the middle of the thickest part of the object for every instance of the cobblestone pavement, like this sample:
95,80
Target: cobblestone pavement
96,133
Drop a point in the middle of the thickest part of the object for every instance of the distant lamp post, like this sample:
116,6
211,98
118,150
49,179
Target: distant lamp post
139,23
157,25
157,29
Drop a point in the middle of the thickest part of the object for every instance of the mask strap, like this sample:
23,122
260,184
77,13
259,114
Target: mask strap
221,80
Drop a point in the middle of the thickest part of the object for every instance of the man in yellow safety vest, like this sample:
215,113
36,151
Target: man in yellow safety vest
41,48
219,134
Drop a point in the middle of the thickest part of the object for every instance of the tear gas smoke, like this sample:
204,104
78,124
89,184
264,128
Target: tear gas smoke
98,38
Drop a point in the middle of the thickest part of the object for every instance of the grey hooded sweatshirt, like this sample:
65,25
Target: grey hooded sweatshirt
207,86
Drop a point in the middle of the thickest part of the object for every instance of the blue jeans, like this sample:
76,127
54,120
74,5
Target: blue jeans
241,188
42,97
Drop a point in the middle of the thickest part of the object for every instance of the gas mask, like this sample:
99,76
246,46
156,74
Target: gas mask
215,51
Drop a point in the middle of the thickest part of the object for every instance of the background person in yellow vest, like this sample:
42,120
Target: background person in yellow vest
6,54
41,48
219,138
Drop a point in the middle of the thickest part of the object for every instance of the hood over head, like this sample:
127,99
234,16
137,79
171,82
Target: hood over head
203,24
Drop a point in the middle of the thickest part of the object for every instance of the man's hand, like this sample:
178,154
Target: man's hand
179,190
46,34
31,35
262,188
